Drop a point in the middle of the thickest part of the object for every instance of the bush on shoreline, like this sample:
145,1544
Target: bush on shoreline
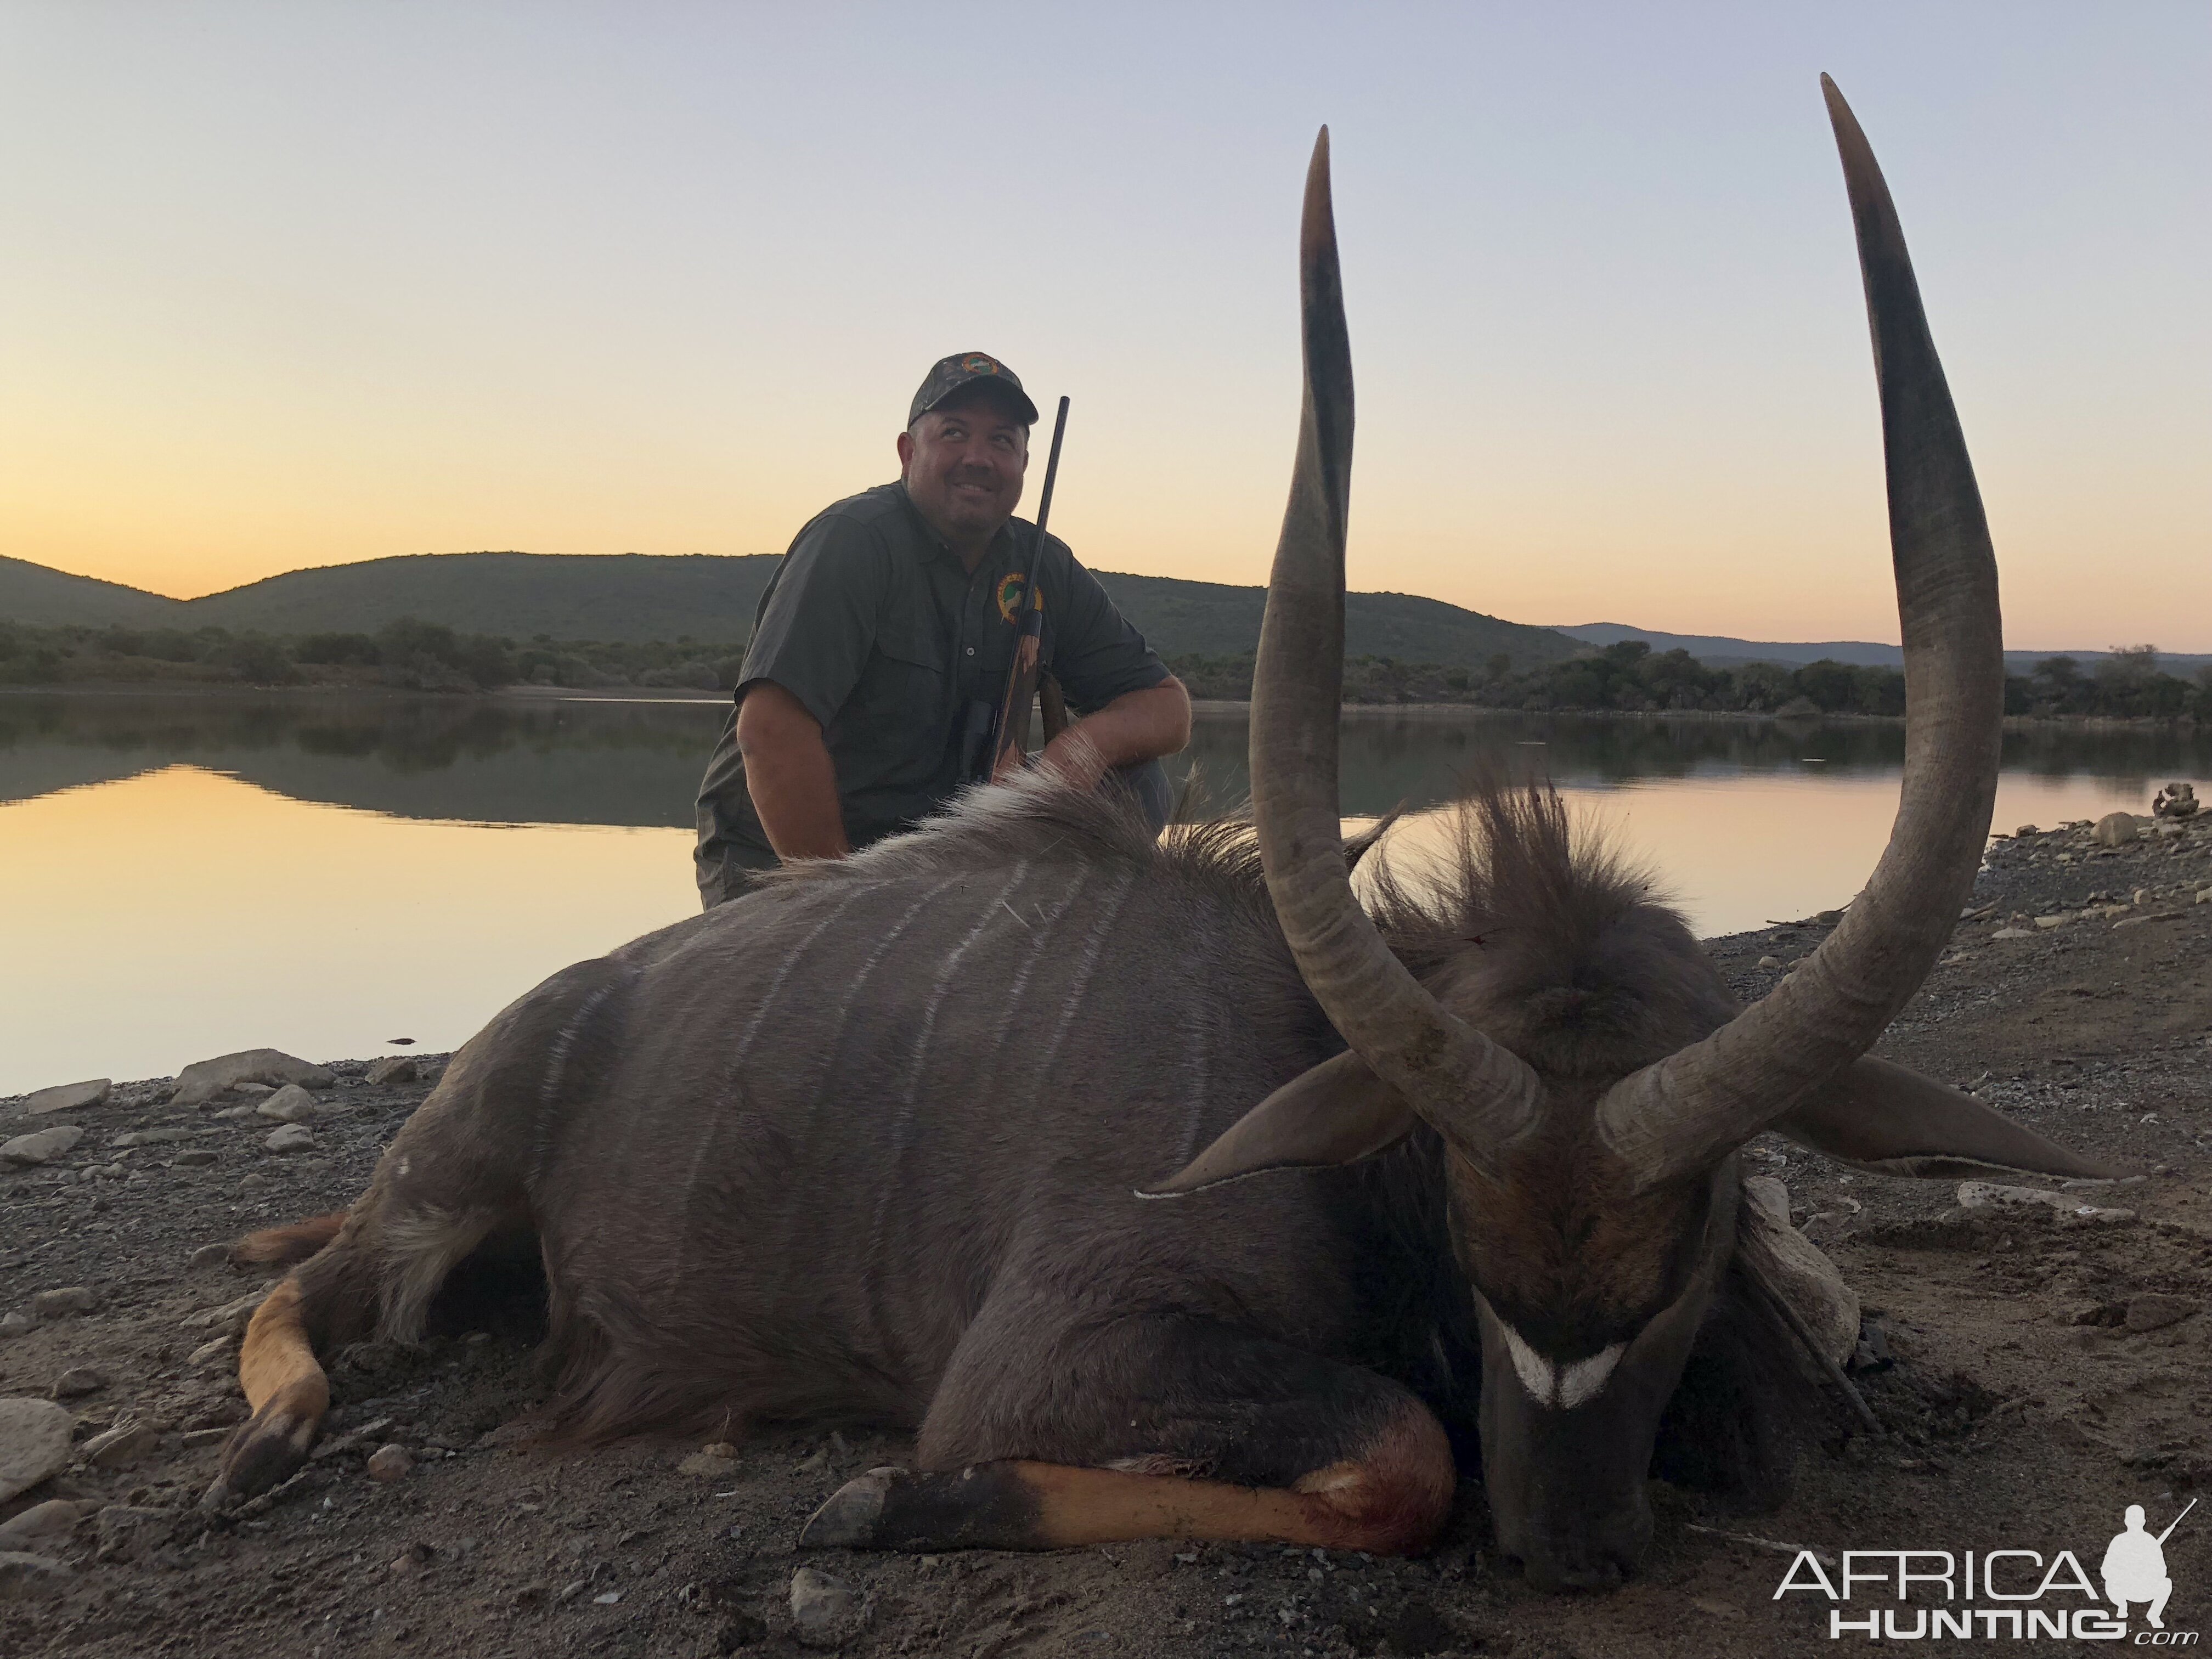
407,654
1630,677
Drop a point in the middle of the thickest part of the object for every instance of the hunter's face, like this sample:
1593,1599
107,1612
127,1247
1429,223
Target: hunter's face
963,463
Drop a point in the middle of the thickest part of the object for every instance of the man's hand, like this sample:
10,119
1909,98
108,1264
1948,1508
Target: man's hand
789,774
1137,725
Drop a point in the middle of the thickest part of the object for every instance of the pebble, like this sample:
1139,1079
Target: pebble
1771,965
2059,920
825,1612
708,1462
211,1356
70,1096
2115,829
69,1299
292,1137
154,1137
40,1145
209,1256
1990,1195
125,1443
393,1068
35,1443
230,1319
23,1575
2012,932
77,1380
195,1158
2154,1310
203,1080
289,1105
16,1324
45,1526
390,1464
126,1528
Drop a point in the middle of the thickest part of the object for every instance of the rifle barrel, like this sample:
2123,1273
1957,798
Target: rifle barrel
1013,723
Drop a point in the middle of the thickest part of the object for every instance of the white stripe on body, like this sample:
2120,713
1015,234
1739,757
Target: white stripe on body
711,1120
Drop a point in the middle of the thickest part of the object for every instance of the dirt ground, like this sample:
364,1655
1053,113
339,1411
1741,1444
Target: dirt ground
2020,1408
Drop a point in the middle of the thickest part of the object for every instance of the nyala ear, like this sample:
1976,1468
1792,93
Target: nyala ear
1338,1113
1891,1119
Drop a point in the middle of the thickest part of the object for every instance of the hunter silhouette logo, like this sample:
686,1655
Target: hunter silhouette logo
2001,1595
2135,1566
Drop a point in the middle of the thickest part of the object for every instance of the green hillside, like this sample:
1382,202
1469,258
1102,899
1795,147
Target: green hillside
1183,618
627,597
632,599
40,598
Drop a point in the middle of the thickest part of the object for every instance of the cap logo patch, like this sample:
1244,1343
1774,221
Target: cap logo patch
977,363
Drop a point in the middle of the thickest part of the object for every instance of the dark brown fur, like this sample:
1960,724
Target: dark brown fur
953,1245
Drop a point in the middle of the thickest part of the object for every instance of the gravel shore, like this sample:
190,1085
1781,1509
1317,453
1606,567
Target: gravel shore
2037,1368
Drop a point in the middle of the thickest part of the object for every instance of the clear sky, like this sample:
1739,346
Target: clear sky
293,284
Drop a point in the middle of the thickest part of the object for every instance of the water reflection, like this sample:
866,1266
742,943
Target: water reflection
183,875
637,763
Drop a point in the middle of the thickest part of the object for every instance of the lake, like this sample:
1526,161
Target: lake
185,875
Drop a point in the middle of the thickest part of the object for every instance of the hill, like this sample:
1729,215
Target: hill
1720,651
42,597
1185,618
632,597
627,597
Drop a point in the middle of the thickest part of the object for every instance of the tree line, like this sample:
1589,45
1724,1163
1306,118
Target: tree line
407,654
1629,677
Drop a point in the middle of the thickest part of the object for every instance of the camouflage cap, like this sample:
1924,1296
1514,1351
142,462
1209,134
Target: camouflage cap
963,368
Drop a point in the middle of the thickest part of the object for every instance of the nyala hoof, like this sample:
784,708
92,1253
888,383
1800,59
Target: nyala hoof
265,1451
854,1514
985,1506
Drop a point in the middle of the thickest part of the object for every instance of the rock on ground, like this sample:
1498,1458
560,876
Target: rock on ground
35,1443
23,1575
204,1079
824,1611
292,1137
40,1145
289,1105
69,1299
44,1528
70,1096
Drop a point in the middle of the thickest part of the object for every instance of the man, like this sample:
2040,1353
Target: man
2134,1568
880,650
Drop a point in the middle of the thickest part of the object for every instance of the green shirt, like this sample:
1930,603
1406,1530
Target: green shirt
874,625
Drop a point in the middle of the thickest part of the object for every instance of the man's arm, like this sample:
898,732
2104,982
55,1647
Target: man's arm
1137,725
790,775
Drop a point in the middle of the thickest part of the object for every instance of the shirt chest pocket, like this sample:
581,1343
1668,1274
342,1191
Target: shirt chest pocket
903,686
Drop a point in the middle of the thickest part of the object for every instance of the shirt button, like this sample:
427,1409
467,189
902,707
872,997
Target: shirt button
971,650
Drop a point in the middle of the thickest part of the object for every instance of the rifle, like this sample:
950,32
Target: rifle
2176,1521
1011,732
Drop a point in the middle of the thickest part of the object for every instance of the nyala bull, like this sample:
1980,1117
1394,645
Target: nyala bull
1161,1189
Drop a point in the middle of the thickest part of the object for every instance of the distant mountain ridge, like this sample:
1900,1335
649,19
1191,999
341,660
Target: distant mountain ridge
636,598
1720,650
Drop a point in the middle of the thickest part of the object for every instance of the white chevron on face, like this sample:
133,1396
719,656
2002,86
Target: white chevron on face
1563,1387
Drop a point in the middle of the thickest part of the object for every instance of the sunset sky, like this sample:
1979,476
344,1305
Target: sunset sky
293,284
